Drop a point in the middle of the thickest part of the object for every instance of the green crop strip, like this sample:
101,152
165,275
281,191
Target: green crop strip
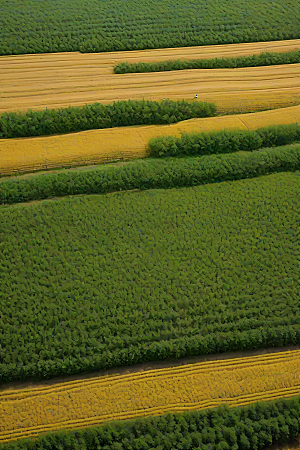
164,173
263,59
100,26
102,281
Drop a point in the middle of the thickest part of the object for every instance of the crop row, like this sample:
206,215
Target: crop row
153,173
67,27
183,38
279,359
263,59
152,392
126,143
244,427
98,116
28,432
224,141
98,282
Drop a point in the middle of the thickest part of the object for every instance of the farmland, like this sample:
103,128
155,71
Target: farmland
263,59
119,280
153,173
59,84
165,274
44,27
99,146
238,381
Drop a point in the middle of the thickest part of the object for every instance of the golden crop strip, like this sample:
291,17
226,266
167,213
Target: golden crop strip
66,79
23,155
82,403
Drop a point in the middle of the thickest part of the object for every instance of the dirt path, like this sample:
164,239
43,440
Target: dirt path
99,146
198,385
64,79
153,365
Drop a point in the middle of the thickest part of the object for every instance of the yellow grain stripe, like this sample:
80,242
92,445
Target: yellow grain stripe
64,79
195,386
187,406
152,411
98,146
207,366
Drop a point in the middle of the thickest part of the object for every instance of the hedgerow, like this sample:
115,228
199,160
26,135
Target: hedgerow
263,59
118,114
242,428
89,283
165,173
223,141
103,26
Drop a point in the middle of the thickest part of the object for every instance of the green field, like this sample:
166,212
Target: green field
99,281
100,25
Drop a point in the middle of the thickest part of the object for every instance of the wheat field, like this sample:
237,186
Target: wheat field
74,79
24,155
82,403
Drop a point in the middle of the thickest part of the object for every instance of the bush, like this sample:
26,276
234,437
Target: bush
224,141
97,116
263,59
162,173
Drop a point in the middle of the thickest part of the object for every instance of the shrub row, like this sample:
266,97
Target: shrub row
241,428
224,141
153,174
155,351
118,114
263,59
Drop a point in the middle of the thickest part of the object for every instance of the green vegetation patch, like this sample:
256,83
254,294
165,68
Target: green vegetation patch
118,114
102,281
224,141
101,26
242,428
151,173
263,59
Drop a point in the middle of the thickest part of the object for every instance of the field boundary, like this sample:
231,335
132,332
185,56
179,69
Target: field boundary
25,155
284,365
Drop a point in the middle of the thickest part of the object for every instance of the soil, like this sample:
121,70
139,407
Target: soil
153,365
292,445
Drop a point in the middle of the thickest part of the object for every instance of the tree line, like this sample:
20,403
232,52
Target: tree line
97,116
224,141
263,59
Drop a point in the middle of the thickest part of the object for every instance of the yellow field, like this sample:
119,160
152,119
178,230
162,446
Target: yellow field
94,401
98,146
66,79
